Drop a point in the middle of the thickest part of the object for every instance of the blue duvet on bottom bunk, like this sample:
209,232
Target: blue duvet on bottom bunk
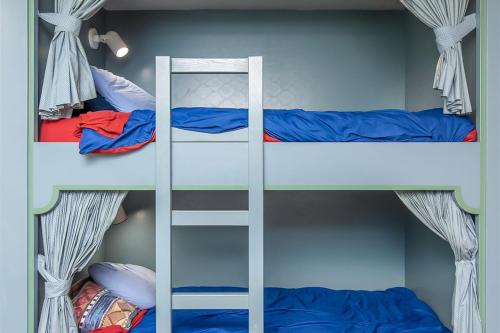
312,310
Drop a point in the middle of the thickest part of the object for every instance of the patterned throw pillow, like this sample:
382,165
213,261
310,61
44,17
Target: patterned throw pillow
96,307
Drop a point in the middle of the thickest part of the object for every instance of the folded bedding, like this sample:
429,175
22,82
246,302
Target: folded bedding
312,310
106,132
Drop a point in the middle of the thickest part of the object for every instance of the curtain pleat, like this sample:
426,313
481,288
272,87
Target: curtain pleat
72,233
447,18
441,214
68,81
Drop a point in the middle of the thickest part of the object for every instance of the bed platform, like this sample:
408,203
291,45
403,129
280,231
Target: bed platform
205,165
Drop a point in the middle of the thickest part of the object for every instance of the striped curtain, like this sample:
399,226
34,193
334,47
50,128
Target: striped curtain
72,233
447,18
68,80
440,213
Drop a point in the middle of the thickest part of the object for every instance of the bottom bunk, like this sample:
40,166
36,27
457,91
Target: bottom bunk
311,310
335,261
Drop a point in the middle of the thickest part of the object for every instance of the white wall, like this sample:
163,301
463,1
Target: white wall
13,165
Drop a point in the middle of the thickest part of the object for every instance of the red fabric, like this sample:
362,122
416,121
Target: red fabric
110,329
107,123
138,318
268,138
125,149
471,137
62,130
118,329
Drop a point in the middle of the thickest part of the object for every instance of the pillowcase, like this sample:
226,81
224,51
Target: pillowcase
96,307
136,284
98,104
120,92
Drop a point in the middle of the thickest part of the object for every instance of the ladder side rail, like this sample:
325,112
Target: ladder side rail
255,197
163,196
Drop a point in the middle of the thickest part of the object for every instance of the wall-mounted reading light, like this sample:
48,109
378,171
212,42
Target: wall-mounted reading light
112,39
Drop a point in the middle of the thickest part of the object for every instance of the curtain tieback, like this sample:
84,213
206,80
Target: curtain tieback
466,262
448,36
53,287
63,22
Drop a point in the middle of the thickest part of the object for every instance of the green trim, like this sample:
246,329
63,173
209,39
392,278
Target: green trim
209,188
58,188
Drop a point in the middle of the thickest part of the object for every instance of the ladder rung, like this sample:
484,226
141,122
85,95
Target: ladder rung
210,218
209,301
209,66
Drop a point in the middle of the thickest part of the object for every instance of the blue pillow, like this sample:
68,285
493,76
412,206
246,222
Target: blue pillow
97,104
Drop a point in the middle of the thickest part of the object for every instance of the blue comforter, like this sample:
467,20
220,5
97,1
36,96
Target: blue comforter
313,310
331,126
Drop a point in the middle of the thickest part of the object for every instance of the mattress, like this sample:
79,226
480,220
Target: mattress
312,310
104,132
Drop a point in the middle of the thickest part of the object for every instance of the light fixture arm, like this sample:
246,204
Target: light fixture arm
111,38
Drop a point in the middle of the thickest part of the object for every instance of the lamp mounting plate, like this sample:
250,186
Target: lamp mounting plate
94,38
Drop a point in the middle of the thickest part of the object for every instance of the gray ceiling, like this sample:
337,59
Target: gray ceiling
253,4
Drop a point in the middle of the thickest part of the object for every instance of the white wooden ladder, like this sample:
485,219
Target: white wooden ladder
166,218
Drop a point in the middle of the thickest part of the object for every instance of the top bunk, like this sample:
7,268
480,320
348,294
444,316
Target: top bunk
319,75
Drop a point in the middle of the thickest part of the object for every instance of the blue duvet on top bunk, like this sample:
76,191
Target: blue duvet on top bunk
284,126
312,310
332,126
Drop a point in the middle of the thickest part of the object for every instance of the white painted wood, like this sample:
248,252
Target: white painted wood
210,218
163,197
253,5
222,164
215,66
56,164
15,252
206,164
255,197
179,135
211,301
491,9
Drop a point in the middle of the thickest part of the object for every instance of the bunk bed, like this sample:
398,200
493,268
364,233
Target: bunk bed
190,160
182,159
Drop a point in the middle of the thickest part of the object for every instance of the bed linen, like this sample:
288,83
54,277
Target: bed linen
296,125
332,126
312,310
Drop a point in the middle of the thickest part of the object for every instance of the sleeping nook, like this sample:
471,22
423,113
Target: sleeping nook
257,166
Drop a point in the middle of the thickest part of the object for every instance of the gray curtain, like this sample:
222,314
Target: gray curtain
447,18
72,232
68,80
440,213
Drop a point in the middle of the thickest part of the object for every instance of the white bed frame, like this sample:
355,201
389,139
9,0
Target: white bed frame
239,160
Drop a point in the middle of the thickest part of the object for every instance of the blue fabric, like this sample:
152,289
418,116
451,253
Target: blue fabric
313,310
98,104
139,129
312,126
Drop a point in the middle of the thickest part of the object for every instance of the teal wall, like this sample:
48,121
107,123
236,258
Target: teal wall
341,240
314,60
429,268
335,239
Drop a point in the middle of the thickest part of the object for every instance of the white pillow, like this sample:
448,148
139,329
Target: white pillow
135,284
120,92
